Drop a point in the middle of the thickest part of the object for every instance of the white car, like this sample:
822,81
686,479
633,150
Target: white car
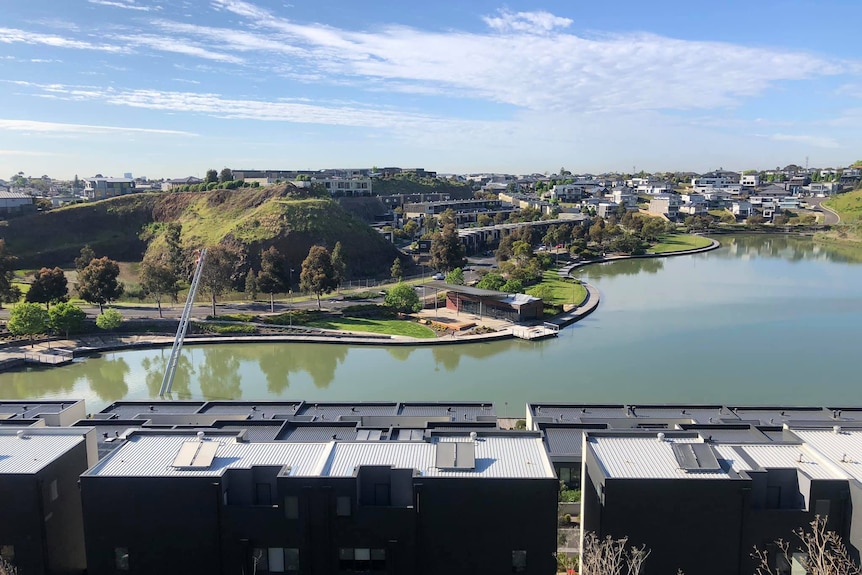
439,276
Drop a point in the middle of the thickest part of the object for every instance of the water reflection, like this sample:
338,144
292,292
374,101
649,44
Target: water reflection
624,268
155,368
39,382
218,375
788,247
108,381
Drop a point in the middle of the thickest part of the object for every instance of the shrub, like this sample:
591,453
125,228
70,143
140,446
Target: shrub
246,317
109,319
228,329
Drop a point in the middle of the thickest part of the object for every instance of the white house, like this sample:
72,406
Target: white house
741,209
607,209
655,188
99,188
665,205
749,180
625,196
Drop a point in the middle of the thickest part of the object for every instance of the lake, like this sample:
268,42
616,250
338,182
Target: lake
765,319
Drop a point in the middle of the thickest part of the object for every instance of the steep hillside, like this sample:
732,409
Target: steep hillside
280,215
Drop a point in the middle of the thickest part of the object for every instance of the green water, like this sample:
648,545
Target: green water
762,320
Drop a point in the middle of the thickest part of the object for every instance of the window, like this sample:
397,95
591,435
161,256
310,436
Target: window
291,507
519,561
53,490
121,558
7,552
275,559
361,559
342,506
263,494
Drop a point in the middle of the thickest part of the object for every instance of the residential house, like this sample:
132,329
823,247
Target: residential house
99,188
607,209
665,205
12,203
217,502
176,183
821,189
741,208
40,530
749,181
625,196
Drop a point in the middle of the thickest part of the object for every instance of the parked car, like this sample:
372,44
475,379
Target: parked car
439,276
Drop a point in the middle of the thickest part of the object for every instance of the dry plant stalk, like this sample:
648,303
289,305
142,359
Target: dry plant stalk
610,556
824,553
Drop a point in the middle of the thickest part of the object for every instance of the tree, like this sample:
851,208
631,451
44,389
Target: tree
49,286
97,283
512,286
492,281
7,568
271,278
447,251
211,177
403,298
219,267
251,285
339,265
66,317
174,256
455,277
317,275
8,292
396,271
225,176
610,556
159,279
543,292
83,260
652,229
410,228
823,553
27,319
109,319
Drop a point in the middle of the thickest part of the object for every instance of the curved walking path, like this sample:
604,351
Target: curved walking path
59,352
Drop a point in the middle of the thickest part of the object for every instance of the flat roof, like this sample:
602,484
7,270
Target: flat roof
645,456
497,455
36,448
843,448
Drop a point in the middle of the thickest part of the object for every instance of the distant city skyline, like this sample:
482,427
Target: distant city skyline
169,89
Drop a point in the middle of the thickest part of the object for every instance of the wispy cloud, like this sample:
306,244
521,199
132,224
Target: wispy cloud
179,46
806,139
530,22
62,128
126,4
15,36
28,153
551,70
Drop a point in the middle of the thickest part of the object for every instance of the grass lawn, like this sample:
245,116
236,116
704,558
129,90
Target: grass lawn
848,206
679,242
563,291
384,326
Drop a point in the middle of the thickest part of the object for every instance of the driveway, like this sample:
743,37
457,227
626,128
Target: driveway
830,218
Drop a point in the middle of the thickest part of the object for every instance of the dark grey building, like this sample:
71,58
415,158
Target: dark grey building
40,506
214,502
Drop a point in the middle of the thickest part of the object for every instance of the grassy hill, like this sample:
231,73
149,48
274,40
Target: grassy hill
281,215
848,206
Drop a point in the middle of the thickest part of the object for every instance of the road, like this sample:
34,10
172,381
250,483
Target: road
830,218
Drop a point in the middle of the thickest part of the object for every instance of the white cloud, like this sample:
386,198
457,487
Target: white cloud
14,36
127,4
178,46
62,128
529,22
25,153
554,71
806,139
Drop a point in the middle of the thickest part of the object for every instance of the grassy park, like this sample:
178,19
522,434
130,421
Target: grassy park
557,291
381,326
679,242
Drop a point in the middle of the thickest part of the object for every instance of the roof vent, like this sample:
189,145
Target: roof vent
20,434
200,435
473,435
836,429
660,436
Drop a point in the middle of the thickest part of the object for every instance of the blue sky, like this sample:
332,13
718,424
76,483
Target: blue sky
169,88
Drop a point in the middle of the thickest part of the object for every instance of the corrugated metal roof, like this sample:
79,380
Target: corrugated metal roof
317,433
6,195
844,449
331,412
644,457
152,455
772,456
495,457
563,441
35,450
459,411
